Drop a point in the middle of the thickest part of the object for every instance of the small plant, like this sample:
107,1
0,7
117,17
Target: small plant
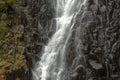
14,48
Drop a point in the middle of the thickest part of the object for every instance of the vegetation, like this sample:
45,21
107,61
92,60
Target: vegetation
11,45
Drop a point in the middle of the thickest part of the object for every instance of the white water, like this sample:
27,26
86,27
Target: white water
52,63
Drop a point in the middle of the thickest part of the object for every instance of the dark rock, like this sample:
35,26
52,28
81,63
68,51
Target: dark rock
94,43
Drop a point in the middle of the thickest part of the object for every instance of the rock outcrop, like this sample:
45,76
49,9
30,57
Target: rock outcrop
94,47
96,39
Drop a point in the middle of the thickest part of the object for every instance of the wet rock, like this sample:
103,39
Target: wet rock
94,40
95,65
99,34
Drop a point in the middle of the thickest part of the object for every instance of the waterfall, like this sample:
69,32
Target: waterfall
52,63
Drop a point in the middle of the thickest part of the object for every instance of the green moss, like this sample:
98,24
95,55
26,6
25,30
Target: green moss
9,38
3,16
1,63
2,34
2,28
11,1
7,1
2,1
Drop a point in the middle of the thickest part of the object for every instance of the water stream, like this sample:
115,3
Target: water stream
52,63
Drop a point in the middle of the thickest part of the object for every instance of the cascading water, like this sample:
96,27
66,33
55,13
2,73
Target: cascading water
52,63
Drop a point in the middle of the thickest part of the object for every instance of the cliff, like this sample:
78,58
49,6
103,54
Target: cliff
92,52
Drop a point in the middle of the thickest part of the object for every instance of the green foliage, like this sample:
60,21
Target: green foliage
10,39
11,1
7,1
2,34
3,16
1,62
5,20
2,28
2,3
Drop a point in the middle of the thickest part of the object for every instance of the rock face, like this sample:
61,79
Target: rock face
40,26
94,47
40,18
97,42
